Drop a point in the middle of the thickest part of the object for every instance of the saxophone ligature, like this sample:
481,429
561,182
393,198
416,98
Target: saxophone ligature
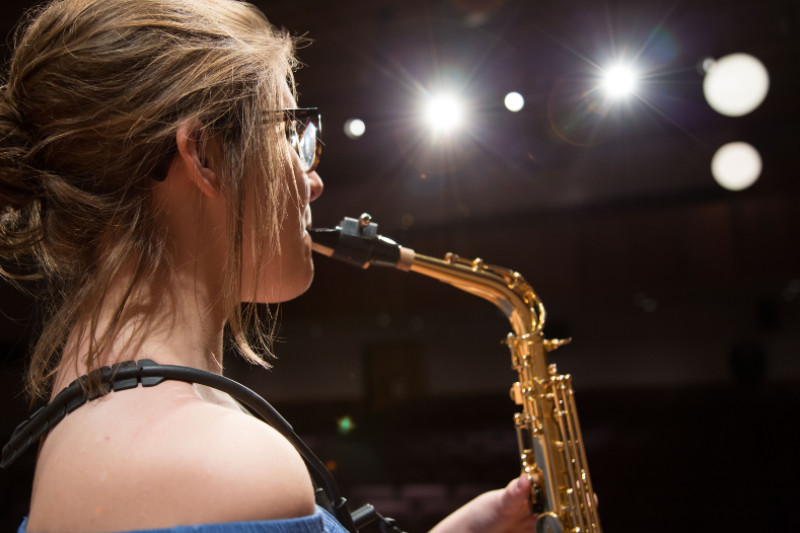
550,441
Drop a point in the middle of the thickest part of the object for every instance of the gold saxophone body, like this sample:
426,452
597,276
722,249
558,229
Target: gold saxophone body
550,442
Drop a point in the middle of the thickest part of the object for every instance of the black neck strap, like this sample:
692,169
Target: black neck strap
131,374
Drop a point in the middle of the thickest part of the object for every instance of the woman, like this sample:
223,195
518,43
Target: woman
151,175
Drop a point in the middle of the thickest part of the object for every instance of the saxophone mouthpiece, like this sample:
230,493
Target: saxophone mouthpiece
356,241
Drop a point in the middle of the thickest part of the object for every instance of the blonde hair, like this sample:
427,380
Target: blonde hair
95,92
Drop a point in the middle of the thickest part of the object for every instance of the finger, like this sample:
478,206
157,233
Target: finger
515,494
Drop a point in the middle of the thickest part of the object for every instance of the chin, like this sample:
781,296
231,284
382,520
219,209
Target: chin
293,291
283,290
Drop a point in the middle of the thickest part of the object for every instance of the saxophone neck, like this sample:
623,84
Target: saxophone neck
506,289
357,242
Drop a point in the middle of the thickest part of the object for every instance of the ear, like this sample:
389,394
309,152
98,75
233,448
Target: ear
194,152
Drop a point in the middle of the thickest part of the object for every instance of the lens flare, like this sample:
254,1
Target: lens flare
580,116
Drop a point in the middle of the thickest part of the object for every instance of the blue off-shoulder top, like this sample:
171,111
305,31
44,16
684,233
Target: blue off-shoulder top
320,522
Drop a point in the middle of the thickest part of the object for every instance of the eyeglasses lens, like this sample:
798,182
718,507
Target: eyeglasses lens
307,145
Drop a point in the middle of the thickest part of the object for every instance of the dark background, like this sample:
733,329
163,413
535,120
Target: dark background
682,298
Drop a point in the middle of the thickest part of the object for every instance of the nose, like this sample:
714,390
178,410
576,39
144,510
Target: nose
315,184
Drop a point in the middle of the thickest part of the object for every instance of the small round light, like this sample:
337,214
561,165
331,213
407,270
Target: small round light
354,128
514,101
736,166
735,85
345,424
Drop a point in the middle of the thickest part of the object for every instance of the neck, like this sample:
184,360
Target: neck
177,318
177,322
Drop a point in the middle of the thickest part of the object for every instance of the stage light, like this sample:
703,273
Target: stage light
619,81
514,101
735,85
444,113
736,166
354,128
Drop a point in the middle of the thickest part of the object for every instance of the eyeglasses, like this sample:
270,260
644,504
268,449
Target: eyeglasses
303,127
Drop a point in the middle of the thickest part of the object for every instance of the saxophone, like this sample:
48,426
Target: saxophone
550,442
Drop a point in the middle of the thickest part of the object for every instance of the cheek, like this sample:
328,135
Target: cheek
306,189
303,188
302,183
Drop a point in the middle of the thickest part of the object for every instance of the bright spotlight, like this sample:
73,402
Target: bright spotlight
736,166
735,84
354,128
619,81
514,101
444,113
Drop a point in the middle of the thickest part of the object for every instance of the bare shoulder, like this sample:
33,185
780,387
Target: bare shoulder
155,460
241,463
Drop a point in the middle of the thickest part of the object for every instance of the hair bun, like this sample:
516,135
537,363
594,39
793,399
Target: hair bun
8,109
20,214
17,178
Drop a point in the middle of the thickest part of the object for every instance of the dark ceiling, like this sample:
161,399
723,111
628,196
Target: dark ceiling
375,60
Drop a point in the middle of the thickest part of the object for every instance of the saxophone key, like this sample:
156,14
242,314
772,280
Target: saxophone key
516,393
549,523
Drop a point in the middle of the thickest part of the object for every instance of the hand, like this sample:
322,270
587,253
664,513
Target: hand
498,511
